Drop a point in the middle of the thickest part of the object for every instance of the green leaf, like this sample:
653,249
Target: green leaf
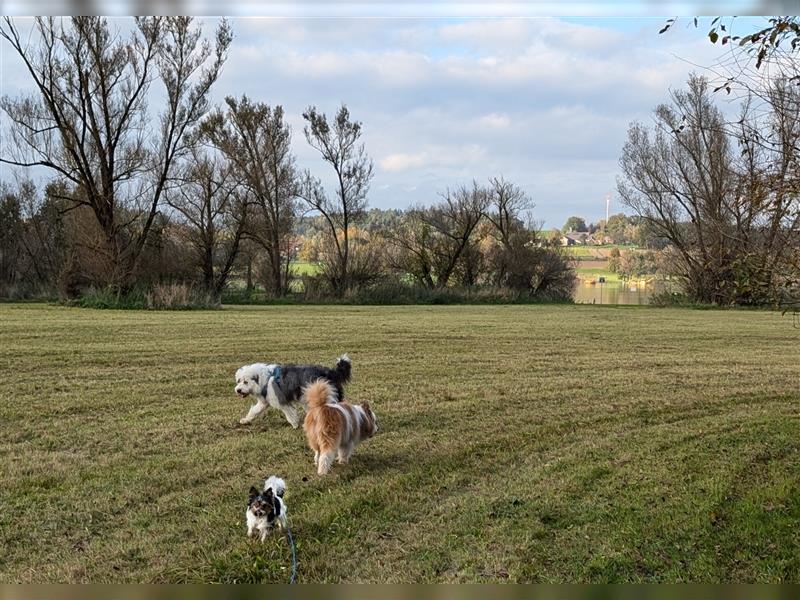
713,36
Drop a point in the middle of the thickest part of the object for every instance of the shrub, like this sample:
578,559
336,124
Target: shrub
108,298
669,298
160,296
178,296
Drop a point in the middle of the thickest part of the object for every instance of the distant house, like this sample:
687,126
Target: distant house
573,239
598,239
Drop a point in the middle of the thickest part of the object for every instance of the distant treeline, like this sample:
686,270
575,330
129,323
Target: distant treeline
178,205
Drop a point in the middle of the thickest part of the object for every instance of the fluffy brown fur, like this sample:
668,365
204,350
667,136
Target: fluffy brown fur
334,428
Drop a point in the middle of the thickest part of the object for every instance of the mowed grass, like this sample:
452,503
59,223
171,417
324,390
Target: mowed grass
517,443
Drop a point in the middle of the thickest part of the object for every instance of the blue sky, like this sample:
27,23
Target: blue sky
545,102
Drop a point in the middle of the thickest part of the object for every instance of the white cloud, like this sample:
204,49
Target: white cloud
433,157
542,101
495,121
402,162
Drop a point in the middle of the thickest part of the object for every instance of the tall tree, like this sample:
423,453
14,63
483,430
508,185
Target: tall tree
509,207
411,247
213,210
339,144
615,227
574,224
731,217
11,235
256,140
88,120
454,222
44,238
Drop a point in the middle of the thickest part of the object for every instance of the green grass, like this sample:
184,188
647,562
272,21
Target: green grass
596,272
517,443
591,252
305,268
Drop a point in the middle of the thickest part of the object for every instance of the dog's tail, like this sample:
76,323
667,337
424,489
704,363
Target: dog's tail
319,393
343,368
276,484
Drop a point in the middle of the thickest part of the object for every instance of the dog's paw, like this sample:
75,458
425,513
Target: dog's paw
244,422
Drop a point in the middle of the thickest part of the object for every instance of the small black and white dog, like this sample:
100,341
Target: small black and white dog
281,386
266,509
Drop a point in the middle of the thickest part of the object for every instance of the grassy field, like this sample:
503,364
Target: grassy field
595,271
595,252
517,443
305,268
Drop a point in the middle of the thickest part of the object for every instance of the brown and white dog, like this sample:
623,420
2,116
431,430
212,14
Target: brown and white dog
334,427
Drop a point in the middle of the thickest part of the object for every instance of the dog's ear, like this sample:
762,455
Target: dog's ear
253,493
367,409
268,493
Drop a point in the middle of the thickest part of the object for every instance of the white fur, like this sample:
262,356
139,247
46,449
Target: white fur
348,432
324,462
277,484
250,380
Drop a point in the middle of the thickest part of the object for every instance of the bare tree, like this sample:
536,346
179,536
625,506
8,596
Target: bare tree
31,223
11,234
761,69
339,143
727,216
454,222
88,119
213,211
256,140
509,209
765,232
438,243
411,248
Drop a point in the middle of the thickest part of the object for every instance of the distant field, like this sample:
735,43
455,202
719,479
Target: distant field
596,272
305,268
517,443
592,262
595,252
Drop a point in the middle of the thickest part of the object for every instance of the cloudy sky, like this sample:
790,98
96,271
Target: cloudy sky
545,102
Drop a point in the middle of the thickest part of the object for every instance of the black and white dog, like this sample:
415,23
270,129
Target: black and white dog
266,509
281,386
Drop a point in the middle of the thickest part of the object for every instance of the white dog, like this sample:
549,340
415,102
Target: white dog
256,380
281,386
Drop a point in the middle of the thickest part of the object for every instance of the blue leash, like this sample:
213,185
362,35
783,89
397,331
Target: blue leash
294,558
